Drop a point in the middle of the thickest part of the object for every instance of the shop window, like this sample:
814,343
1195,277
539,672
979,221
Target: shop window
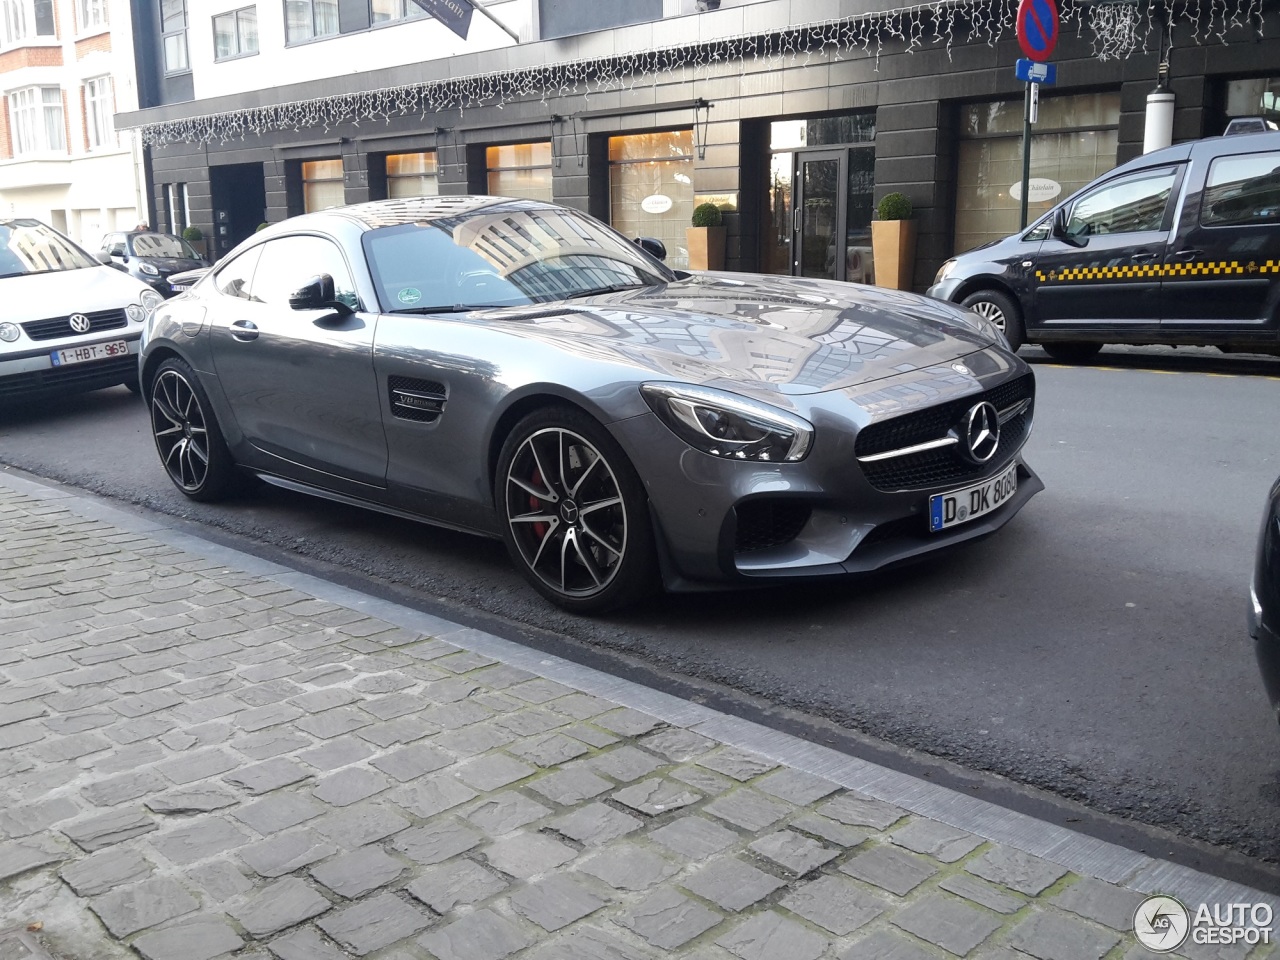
392,11
1257,97
412,175
235,34
36,121
520,170
23,19
651,188
1073,142
99,109
322,185
173,24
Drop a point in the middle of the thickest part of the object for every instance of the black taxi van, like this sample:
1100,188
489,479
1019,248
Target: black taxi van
1179,246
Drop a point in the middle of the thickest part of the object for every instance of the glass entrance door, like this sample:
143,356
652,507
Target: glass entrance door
819,214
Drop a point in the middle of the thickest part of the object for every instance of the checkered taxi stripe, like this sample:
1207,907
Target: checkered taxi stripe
1135,271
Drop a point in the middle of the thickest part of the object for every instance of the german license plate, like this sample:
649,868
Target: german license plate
92,351
959,506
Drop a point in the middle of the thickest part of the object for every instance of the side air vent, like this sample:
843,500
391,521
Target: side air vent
419,400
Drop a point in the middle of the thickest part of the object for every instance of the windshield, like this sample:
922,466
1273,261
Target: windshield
162,245
28,246
503,256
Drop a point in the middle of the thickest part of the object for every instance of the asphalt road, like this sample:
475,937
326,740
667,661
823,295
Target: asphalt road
1095,648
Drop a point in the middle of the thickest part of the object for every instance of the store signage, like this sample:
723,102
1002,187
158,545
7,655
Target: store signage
1037,24
1040,190
658,203
454,14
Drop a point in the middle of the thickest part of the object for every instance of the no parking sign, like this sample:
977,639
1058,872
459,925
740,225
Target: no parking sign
1037,28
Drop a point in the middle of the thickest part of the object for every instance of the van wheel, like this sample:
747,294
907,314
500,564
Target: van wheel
1000,309
1072,352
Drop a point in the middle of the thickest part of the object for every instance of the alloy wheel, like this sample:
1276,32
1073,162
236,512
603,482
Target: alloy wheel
179,425
991,312
566,512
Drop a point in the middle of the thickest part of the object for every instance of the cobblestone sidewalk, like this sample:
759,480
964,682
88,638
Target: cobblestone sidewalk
206,755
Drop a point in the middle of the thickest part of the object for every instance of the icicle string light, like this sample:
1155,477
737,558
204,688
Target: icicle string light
1115,31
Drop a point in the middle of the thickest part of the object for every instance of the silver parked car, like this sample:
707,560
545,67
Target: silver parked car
67,323
517,369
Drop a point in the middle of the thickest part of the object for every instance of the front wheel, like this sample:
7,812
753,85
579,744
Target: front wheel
187,435
1077,352
574,513
1002,311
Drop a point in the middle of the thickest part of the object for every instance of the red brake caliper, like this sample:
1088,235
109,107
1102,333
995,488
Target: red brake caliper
539,529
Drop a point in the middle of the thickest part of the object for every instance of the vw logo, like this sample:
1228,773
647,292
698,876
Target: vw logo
982,432
80,323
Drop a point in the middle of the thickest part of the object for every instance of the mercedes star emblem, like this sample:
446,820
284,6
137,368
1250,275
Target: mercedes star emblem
80,323
982,432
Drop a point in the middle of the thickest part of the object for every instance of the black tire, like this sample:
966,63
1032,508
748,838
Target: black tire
583,565
187,434
1074,352
1001,309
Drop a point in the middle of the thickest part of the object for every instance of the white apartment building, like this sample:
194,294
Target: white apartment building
64,73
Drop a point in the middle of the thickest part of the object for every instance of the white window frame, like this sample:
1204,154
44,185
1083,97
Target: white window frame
91,15
99,113
407,10
19,24
179,35
312,34
31,113
239,32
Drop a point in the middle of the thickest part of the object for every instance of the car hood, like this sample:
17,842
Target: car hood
173,264
38,296
784,335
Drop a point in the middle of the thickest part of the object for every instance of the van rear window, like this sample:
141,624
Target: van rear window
1241,190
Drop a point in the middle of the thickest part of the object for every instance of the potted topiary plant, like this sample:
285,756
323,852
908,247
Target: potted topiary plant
706,238
195,237
893,242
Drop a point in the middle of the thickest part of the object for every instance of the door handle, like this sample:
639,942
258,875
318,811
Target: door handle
244,330
1143,255
1188,254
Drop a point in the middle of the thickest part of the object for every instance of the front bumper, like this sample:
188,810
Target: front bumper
945,290
31,373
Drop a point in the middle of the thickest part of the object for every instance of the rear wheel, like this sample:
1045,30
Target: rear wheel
574,513
1072,352
999,308
187,435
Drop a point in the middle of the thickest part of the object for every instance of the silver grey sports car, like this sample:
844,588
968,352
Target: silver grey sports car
518,369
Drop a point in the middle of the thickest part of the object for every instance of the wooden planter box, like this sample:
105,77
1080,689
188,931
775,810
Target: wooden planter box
706,247
893,245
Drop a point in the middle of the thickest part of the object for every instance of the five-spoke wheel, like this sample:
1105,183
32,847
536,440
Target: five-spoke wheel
574,512
187,435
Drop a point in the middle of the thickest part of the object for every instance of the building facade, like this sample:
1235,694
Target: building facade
64,74
794,116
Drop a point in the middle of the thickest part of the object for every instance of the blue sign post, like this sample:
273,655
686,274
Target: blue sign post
1037,22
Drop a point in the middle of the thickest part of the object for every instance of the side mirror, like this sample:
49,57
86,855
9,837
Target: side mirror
318,294
103,257
652,246
1059,231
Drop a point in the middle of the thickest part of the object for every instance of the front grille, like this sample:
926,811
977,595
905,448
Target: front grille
932,468
419,400
769,523
80,376
56,327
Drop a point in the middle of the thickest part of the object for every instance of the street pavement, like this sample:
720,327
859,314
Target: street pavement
205,754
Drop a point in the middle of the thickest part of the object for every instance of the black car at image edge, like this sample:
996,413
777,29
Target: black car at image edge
1264,599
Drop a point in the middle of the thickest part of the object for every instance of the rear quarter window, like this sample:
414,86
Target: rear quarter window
1242,190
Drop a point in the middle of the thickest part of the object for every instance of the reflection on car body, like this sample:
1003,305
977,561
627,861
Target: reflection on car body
154,258
517,369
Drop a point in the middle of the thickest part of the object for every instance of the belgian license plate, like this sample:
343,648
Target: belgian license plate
92,351
959,506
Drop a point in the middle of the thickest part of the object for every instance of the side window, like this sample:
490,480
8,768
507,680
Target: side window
1131,205
235,278
289,262
1242,190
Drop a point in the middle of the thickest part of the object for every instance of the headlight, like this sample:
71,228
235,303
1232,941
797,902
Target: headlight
9,332
944,271
135,313
150,301
148,269
726,425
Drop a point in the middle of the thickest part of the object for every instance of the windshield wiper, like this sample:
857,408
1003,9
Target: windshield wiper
611,288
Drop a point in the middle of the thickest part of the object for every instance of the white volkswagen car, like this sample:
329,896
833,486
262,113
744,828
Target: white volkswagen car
68,323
